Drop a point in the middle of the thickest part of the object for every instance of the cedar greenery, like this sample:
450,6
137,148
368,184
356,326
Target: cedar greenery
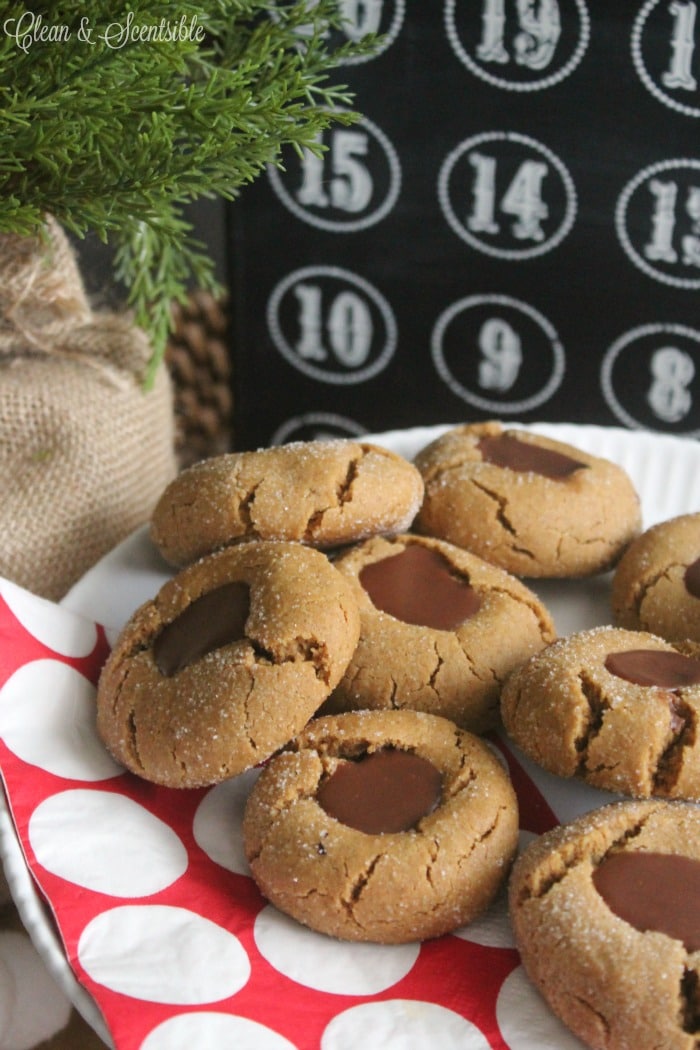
116,133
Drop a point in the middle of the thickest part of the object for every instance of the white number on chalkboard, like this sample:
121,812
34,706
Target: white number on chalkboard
679,74
501,355
522,199
535,43
672,370
348,326
360,17
350,186
664,220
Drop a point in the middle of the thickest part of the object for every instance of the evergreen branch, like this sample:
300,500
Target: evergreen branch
114,133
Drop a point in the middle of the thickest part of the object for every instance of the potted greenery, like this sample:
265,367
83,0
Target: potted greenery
115,117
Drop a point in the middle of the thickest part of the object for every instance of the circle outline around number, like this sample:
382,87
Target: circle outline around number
550,243
620,224
332,225
611,355
525,404
507,85
642,71
287,352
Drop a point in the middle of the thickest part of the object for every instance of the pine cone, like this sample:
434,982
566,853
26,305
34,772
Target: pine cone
197,357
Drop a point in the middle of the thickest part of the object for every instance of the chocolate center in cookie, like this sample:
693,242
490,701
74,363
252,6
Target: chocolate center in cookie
691,578
215,619
661,667
419,587
382,793
504,450
653,891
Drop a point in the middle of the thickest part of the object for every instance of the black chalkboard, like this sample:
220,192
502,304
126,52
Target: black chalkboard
512,230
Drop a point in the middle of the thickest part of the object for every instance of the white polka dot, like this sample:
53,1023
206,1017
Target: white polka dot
26,982
217,822
106,843
326,964
525,1020
47,718
62,631
402,1024
492,929
212,1031
163,954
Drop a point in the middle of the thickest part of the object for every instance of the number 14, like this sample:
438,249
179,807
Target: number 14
522,199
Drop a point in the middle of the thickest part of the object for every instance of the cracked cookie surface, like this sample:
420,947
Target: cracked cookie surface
320,493
227,663
531,505
656,585
382,886
454,669
620,969
619,709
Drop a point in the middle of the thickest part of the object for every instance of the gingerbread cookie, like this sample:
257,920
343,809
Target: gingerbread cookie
385,826
605,915
321,493
533,506
227,663
656,586
440,629
619,709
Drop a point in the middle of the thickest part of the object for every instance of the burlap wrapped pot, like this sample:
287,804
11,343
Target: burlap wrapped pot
85,449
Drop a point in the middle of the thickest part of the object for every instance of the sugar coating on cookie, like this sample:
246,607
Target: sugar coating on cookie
531,505
227,663
605,912
321,493
440,630
417,839
656,585
620,709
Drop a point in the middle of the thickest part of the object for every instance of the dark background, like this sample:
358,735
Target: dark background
599,337
602,122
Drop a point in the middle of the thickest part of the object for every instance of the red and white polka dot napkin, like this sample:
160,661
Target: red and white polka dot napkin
163,925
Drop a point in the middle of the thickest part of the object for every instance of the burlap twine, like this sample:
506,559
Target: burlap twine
85,450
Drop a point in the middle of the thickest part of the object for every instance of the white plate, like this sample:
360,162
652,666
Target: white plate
666,473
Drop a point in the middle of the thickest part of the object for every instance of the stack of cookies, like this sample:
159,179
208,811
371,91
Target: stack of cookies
356,623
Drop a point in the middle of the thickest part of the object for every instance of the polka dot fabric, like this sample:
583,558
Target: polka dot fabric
161,921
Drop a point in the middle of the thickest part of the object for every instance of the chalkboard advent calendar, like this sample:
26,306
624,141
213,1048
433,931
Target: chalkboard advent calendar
511,230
